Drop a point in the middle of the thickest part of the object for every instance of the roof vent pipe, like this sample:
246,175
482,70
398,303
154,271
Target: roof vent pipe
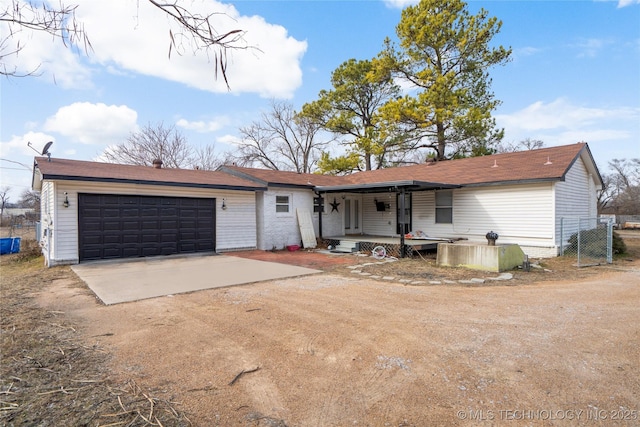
157,164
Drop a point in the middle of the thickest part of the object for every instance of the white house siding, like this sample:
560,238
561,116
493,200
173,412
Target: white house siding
521,214
332,220
375,222
47,204
575,197
260,217
235,226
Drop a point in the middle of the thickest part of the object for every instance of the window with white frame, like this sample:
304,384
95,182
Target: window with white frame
282,204
444,207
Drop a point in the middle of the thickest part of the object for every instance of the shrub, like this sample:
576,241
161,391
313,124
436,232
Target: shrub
29,249
593,243
619,247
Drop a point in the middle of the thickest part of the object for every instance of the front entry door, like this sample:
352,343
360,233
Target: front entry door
352,216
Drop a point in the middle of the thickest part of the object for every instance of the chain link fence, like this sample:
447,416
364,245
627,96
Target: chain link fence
19,226
590,240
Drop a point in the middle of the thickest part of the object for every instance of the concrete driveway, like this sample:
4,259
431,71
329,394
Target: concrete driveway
131,280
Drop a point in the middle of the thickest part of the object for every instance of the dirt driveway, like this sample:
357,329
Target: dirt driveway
337,350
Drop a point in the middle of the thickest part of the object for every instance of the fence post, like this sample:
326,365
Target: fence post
562,236
610,241
579,238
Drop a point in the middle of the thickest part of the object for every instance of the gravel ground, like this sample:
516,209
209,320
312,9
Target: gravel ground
559,347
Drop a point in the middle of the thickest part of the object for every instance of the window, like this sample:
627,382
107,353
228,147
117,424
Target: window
444,207
282,204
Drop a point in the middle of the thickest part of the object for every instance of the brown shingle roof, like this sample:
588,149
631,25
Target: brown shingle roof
533,165
273,177
110,172
546,164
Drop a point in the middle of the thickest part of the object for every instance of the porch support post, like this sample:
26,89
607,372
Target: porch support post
401,220
320,209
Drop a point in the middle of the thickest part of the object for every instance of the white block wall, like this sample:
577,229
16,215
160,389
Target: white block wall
277,230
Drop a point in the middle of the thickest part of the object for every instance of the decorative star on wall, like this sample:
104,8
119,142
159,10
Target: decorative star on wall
334,205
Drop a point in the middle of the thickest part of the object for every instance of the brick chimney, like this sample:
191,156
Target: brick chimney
157,163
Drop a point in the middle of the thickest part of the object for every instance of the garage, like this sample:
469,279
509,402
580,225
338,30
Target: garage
127,226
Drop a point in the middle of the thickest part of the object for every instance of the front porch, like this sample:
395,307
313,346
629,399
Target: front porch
394,246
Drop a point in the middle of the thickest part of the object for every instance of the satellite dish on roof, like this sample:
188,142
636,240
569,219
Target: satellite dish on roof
45,150
48,145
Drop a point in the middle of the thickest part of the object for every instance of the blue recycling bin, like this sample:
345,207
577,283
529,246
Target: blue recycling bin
9,245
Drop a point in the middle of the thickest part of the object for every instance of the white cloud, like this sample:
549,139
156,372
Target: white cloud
625,3
18,144
89,123
202,126
561,114
229,139
522,52
134,36
610,131
590,48
400,4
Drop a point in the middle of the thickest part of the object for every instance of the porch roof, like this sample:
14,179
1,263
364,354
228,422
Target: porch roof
383,187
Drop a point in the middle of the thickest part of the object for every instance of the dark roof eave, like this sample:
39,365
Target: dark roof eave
383,186
144,182
281,185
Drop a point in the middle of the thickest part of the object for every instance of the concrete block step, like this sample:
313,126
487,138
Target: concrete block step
347,246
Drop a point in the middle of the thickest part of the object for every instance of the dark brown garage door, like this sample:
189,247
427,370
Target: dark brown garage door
118,226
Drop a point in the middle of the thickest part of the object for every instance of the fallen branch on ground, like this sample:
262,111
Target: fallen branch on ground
247,371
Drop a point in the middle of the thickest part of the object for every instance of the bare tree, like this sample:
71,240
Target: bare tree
164,143
606,195
624,187
282,140
4,198
196,32
17,16
206,158
151,143
524,145
30,199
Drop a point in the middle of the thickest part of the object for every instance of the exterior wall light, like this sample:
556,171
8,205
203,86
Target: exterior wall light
66,200
224,205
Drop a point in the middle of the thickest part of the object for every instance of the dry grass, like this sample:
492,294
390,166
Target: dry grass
48,376
422,267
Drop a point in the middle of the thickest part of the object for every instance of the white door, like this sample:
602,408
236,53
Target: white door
352,216
306,228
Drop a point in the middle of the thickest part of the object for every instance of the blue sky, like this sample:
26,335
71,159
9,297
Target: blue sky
575,74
